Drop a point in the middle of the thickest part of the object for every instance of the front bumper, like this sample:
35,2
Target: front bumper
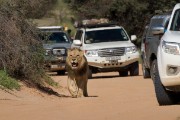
102,62
112,65
169,68
55,64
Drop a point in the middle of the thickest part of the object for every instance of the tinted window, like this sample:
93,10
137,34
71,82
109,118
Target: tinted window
110,35
78,35
175,26
57,37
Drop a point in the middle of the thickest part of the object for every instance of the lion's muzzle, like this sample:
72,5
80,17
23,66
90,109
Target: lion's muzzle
74,63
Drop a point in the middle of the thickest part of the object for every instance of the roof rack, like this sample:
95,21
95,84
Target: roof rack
51,28
94,23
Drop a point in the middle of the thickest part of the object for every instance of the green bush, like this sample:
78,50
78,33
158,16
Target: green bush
7,81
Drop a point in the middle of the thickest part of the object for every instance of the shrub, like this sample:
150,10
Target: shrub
21,51
8,82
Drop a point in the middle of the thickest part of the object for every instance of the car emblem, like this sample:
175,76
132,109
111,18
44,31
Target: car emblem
111,51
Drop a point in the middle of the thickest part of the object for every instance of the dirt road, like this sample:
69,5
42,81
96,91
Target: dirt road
111,98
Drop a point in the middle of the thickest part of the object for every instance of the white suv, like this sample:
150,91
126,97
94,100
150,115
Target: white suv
166,73
107,48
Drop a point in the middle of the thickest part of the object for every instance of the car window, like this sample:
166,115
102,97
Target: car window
109,35
175,26
56,37
78,35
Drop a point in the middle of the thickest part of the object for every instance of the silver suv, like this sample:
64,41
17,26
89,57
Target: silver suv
150,42
55,42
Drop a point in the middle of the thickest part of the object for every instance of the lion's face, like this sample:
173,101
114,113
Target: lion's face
75,58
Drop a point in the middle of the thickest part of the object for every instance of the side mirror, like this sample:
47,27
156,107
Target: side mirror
133,37
158,30
77,42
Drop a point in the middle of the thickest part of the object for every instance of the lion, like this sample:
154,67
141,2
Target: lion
77,68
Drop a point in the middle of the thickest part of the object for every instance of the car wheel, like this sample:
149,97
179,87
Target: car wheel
90,73
146,72
164,97
123,73
134,69
61,72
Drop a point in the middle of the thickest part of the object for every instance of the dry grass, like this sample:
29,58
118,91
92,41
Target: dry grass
21,51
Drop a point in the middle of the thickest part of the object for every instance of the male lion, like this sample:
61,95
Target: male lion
77,68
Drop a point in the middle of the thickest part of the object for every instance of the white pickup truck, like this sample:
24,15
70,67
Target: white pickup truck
166,73
107,48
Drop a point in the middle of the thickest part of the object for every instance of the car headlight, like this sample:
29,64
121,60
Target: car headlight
48,52
130,50
91,53
171,48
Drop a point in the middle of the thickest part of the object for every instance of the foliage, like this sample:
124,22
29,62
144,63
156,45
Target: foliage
90,9
131,14
21,51
128,14
31,8
8,82
49,81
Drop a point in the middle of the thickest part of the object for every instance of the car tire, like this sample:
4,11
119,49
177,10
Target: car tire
164,97
134,69
90,73
123,73
146,72
61,72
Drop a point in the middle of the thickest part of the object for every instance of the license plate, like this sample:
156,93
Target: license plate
113,58
54,66
113,61
60,58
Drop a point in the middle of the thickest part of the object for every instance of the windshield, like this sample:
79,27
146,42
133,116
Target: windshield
175,26
56,37
108,35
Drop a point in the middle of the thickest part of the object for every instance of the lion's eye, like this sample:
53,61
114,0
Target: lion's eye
77,55
70,55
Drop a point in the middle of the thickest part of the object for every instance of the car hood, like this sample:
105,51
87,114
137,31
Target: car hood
108,45
172,36
59,45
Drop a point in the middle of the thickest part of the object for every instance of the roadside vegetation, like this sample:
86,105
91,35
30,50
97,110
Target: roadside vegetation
133,15
21,50
8,82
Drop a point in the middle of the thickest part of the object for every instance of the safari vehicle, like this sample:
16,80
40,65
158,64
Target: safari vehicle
150,42
55,42
107,47
166,69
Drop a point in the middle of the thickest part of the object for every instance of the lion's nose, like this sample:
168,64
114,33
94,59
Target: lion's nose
73,59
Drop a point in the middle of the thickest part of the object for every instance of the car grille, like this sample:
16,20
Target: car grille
59,51
108,52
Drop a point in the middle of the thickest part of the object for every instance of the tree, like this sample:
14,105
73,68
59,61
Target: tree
131,14
31,8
